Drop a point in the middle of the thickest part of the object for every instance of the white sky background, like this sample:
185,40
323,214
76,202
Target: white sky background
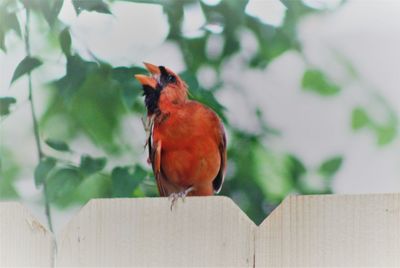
365,31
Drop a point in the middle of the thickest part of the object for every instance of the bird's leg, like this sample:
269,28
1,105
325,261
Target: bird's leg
184,193
181,194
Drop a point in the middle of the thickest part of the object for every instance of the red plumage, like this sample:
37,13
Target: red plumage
187,139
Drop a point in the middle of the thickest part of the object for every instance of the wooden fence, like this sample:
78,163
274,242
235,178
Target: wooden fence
329,230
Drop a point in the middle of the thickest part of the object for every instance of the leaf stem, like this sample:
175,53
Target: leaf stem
35,121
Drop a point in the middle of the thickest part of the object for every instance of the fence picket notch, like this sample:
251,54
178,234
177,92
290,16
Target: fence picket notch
200,231
331,230
23,240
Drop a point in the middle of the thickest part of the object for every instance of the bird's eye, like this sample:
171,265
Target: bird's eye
171,79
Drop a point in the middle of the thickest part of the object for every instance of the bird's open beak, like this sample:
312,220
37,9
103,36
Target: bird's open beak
149,80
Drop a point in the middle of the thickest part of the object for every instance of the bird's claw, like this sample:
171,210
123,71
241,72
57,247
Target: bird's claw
173,197
181,194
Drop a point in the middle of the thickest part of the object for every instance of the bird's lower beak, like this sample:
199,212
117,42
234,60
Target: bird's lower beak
146,80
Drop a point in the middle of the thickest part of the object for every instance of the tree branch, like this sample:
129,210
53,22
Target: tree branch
35,122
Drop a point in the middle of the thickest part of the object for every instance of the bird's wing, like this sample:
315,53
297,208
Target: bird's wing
165,188
155,159
219,179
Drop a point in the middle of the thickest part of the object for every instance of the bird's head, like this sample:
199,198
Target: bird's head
163,85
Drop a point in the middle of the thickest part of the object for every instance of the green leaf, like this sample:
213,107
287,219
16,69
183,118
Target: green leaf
5,104
296,167
298,172
190,79
82,95
25,66
9,173
48,9
386,134
194,50
316,81
230,15
88,108
57,145
330,166
91,5
272,42
62,183
2,41
129,86
43,169
126,179
12,22
125,75
272,172
65,41
95,186
77,72
9,21
90,165
359,118
51,9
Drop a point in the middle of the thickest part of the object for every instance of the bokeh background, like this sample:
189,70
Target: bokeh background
308,92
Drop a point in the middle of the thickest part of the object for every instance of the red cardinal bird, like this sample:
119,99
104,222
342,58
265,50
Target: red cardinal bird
187,144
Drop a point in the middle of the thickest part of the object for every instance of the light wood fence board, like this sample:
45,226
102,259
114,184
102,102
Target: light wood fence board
145,232
331,230
304,231
23,240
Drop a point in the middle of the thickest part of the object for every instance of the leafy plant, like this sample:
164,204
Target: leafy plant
93,99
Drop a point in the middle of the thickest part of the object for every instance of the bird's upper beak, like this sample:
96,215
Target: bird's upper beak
149,80
153,69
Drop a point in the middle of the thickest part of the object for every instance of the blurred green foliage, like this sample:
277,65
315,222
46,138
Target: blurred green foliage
93,98
385,132
9,173
315,80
